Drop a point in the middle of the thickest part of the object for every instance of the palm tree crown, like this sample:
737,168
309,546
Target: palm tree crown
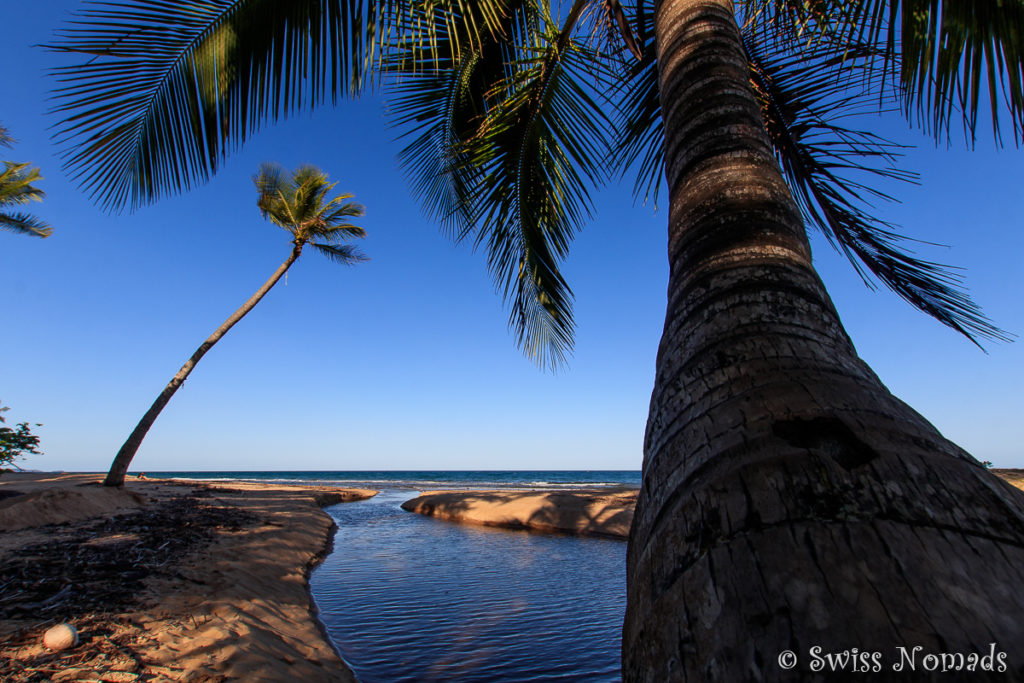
298,202
16,189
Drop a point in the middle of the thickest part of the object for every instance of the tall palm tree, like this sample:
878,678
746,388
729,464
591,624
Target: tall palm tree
788,499
299,203
16,189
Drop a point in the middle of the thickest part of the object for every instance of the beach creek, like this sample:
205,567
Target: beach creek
408,598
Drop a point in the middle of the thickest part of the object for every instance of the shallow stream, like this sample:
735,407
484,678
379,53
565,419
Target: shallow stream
408,598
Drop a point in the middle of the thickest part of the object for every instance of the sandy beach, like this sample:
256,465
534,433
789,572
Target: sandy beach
594,512
1013,476
175,580
164,580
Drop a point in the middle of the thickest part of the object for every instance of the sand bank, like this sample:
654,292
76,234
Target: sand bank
601,512
1013,476
165,580
597,512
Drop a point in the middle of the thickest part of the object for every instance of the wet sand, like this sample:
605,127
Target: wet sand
165,580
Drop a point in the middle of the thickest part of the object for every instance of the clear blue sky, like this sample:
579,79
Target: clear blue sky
405,362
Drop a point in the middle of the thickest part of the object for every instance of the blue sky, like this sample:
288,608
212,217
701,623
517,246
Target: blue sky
405,362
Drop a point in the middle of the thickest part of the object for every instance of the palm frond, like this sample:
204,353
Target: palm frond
942,55
297,201
342,254
311,186
422,33
638,149
16,184
438,97
954,50
270,181
273,187
24,224
335,227
5,137
537,152
169,89
802,102
438,109
504,143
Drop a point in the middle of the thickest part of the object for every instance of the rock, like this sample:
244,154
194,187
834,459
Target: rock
60,637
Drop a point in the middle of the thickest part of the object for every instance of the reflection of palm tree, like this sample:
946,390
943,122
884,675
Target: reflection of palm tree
786,491
298,203
16,189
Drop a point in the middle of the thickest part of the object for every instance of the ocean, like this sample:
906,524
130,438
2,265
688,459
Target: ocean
429,479
409,598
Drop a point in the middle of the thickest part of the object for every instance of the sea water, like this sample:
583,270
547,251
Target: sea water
430,479
409,598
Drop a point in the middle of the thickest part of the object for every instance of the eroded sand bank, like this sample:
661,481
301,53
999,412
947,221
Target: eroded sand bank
596,512
165,580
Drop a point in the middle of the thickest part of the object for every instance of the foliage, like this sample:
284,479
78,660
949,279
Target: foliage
298,203
16,189
18,442
515,113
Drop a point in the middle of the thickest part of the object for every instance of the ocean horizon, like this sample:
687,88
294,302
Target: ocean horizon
420,479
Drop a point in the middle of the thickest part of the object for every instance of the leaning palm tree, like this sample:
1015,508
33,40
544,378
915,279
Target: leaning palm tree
16,189
299,203
788,499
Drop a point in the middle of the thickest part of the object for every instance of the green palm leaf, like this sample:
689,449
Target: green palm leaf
634,94
16,184
335,229
170,88
802,101
807,85
944,55
25,224
505,147
438,97
16,189
343,254
298,202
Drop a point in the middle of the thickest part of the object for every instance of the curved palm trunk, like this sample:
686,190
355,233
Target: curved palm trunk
115,477
788,499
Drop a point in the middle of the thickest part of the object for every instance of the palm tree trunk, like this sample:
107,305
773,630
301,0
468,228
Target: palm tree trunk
115,477
788,500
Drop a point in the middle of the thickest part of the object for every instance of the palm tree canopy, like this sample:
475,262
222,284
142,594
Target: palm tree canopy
513,113
16,189
299,203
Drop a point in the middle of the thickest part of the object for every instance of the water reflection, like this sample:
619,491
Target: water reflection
408,598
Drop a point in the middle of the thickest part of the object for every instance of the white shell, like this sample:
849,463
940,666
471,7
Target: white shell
60,637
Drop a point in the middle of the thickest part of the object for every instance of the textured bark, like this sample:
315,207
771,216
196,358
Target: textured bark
788,499
119,468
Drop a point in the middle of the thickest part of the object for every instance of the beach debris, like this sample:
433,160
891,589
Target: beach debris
102,565
60,637
92,573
